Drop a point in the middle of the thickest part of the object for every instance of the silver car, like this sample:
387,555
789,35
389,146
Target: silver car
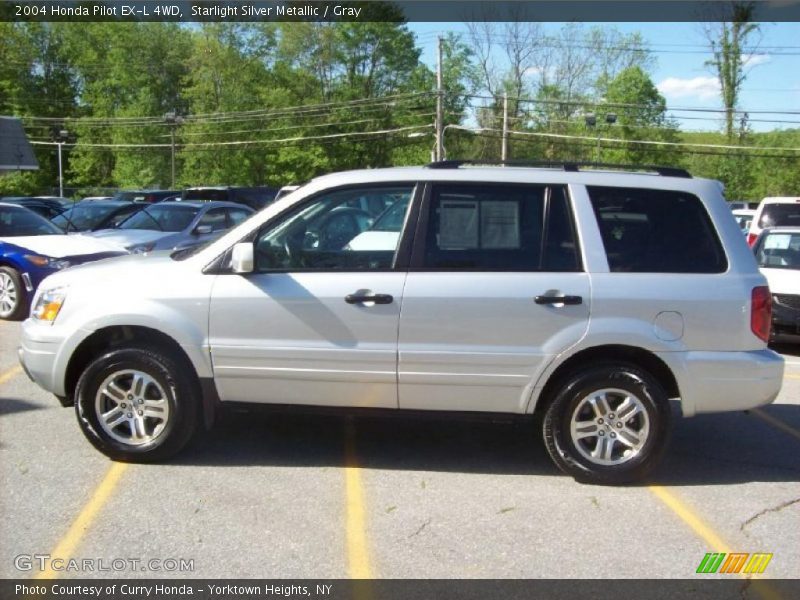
589,298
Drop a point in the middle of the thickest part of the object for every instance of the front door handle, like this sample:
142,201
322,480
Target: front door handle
376,298
558,300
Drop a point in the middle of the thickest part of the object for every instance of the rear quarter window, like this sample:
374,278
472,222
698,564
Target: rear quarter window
656,231
780,215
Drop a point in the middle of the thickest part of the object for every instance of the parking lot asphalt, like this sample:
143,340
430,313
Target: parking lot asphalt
332,497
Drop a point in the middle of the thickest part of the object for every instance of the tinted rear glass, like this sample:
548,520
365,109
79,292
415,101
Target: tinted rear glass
780,215
656,231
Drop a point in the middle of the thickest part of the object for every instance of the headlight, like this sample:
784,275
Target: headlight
142,248
46,261
48,304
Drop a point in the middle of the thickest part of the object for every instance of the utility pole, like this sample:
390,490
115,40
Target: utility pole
439,152
504,147
173,119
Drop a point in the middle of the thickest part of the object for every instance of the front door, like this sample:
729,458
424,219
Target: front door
316,322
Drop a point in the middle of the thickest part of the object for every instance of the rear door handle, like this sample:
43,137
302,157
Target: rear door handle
376,298
558,300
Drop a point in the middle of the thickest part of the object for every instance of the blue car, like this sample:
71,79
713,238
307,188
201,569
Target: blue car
175,225
31,248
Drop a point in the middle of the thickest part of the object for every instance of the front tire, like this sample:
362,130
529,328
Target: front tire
138,404
608,425
13,296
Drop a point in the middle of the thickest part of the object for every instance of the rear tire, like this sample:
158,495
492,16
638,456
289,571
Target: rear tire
608,425
138,403
14,300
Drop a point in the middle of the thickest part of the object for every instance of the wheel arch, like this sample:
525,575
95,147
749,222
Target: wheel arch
644,359
107,338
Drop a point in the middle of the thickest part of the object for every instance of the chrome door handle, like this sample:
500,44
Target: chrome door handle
376,298
572,300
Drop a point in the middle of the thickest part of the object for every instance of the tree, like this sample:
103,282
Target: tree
728,41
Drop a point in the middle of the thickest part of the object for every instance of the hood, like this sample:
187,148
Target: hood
783,281
61,246
129,237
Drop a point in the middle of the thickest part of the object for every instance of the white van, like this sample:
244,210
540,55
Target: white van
779,211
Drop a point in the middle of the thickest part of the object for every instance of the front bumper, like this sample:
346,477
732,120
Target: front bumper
37,356
725,381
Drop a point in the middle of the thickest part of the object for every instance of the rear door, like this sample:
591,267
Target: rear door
496,288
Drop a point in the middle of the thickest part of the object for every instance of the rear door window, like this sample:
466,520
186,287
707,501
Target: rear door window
656,231
496,227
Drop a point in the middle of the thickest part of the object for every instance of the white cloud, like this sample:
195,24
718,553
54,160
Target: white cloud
703,88
751,60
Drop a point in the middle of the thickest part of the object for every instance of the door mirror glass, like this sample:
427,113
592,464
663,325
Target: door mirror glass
203,229
242,258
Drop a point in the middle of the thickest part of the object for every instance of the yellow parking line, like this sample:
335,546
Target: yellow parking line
776,423
791,376
10,374
357,552
710,537
688,516
66,547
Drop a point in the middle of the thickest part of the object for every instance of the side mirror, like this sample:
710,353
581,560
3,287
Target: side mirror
203,229
242,257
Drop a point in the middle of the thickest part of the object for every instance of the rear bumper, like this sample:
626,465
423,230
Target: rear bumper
725,381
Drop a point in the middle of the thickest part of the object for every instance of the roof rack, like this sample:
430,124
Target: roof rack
566,166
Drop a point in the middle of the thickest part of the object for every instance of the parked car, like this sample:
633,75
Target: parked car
174,225
46,207
254,197
742,204
590,298
777,253
31,248
93,215
744,218
783,211
148,196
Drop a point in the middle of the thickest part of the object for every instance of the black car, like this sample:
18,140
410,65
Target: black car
254,197
47,207
148,196
92,215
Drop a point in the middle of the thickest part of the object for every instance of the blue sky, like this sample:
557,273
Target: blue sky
773,82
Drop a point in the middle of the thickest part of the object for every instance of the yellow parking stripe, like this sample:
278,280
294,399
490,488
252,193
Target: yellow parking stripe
776,423
66,547
10,374
710,537
688,516
357,552
791,376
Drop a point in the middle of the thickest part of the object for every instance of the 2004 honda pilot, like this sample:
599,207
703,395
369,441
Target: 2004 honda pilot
589,297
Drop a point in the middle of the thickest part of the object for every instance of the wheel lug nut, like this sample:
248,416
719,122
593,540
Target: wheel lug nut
619,425
613,435
130,396
130,415
599,421
141,401
611,416
140,413
601,433
123,405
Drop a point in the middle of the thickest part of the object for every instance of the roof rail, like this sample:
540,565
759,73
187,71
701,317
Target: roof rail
566,166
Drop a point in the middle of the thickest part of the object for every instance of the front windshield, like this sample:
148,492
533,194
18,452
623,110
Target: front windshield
162,217
779,250
83,216
17,222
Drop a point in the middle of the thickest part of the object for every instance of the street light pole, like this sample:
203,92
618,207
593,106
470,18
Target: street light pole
61,136
173,119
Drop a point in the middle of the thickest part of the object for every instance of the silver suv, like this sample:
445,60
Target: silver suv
587,297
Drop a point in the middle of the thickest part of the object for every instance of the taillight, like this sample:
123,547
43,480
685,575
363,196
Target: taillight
751,239
761,312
